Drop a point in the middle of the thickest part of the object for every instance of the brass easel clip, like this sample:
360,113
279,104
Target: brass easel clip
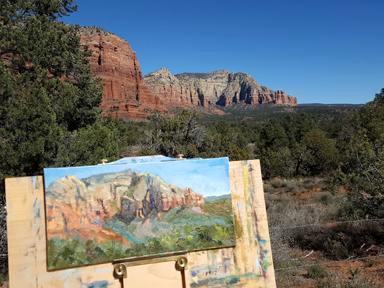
120,271
181,263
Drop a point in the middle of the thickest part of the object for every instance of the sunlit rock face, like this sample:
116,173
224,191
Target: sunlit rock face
115,63
129,95
219,88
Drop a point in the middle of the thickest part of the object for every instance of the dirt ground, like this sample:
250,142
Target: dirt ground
309,202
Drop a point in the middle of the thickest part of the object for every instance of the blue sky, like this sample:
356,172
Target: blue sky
209,177
325,51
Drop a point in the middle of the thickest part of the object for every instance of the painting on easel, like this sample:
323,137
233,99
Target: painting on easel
96,214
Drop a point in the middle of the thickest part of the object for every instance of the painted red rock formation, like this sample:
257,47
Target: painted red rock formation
76,205
189,199
113,61
127,95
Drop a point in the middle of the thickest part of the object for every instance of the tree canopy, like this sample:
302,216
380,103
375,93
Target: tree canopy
49,102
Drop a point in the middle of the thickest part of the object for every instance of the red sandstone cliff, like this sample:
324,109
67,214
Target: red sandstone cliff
127,95
114,62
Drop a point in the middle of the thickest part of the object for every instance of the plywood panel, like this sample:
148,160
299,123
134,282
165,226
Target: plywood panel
249,264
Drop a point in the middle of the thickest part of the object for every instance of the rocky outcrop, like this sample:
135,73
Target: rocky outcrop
127,95
77,205
208,89
115,63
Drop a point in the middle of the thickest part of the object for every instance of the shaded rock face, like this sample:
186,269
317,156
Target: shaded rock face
115,63
217,88
75,205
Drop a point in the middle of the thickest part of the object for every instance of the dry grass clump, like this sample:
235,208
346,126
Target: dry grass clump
339,242
354,280
289,213
282,215
278,184
303,215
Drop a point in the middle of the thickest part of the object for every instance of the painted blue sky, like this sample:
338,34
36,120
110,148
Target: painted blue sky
209,177
326,51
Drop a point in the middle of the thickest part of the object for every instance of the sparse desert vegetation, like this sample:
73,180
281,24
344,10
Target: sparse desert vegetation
313,245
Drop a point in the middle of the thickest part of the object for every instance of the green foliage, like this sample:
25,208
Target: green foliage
172,136
29,136
277,162
49,103
320,154
76,252
291,144
361,147
345,145
89,145
12,10
44,52
185,230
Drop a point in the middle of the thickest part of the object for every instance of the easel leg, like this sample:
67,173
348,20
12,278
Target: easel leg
183,279
121,282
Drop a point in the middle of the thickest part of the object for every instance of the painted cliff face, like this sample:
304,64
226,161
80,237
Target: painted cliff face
95,214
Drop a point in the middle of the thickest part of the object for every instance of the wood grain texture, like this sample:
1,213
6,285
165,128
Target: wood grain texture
249,264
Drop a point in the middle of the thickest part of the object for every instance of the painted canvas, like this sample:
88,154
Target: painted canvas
96,214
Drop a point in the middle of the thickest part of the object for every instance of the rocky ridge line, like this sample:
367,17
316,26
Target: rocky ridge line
129,95
220,88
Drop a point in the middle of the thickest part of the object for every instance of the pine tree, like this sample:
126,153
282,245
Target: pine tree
48,97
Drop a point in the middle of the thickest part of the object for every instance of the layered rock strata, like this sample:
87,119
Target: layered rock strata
129,95
113,61
220,88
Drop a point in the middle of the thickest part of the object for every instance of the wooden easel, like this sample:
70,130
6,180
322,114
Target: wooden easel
251,257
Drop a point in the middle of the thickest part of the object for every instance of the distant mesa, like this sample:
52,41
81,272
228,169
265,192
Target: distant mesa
129,95
218,88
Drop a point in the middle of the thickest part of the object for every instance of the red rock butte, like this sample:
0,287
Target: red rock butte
113,61
129,95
